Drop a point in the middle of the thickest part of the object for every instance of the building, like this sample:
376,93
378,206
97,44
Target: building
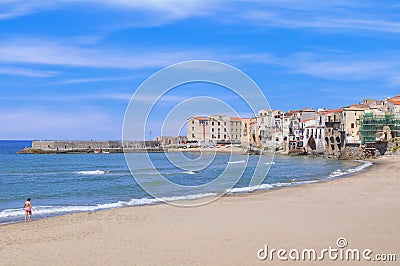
350,122
246,139
215,129
295,129
378,128
392,105
265,129
334,137
170,141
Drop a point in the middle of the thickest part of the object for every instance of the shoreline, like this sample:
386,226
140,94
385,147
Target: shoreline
363,208
238,192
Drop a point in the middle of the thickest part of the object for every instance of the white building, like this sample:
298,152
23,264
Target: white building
392,105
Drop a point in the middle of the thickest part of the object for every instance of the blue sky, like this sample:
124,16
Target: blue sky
69,67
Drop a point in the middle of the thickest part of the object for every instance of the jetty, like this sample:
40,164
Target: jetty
70,147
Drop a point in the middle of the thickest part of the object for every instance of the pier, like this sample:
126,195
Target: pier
70,147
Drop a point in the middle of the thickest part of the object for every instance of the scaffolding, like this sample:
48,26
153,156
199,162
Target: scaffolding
373,127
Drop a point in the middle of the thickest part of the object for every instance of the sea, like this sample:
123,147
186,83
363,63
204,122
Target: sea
60,184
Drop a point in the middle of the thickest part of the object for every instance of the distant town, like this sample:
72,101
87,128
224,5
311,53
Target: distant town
356,131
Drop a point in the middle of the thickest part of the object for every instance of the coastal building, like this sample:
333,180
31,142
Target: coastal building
324,131
334,137
215,129
265,129
295,129
171,141
198,129
392,105
314,134
350,123
246,138
299,139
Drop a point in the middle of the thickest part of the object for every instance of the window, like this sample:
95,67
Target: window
192,121
212,130
224,129
213,136
224,123
192,135
352,125
224,136
192,128
219,123
212,123
219,136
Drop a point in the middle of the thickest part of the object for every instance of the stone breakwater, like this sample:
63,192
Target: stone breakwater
53,146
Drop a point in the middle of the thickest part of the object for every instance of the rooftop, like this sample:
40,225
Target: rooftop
395,100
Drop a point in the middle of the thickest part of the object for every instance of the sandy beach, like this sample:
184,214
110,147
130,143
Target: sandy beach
364,209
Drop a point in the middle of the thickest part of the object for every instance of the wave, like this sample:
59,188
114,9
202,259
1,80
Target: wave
270,163
269,186
235,162
95,172
43,211
294,182
340,172
189,172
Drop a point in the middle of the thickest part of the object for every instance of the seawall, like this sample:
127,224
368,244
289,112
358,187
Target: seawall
110,146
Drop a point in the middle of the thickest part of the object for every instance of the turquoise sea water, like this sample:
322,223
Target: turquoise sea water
66,183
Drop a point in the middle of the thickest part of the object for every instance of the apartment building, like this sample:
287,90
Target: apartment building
350,122
215,129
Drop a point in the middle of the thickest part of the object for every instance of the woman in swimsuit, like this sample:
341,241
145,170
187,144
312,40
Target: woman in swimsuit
28,209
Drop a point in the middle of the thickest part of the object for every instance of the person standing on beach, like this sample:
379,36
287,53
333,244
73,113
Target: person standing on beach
28,209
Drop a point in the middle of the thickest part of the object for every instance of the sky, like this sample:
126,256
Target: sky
68,68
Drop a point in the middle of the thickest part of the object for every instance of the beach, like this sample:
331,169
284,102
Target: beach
364,209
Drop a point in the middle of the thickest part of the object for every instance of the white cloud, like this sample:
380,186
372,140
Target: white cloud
339,66
294,14
92,80
166,9
26,72
320,21
345,68
46,52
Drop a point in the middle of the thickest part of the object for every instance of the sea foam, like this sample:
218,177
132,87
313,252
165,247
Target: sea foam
340,172
235,162
95,172
42,211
